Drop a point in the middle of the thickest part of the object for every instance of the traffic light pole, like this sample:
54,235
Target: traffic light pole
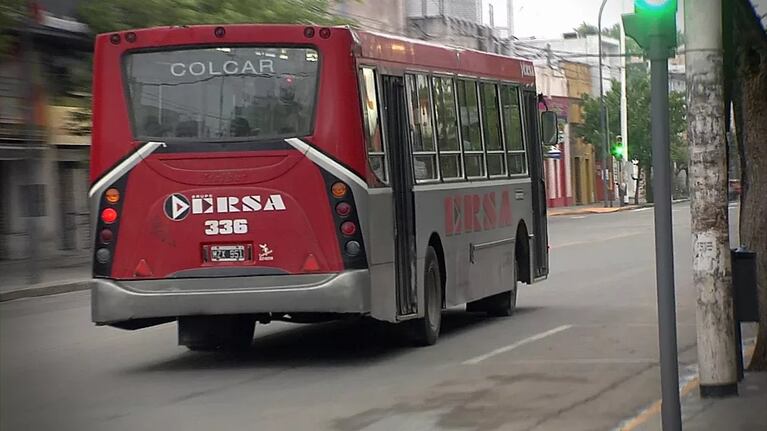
658,52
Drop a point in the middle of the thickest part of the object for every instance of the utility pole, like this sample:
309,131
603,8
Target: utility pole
625,177
33,191
653,26
602,110
712,277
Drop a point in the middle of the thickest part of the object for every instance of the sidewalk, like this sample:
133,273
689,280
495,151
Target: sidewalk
598,208
746,412
57,275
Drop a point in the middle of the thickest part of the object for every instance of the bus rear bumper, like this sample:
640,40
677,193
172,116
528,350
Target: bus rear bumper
120,301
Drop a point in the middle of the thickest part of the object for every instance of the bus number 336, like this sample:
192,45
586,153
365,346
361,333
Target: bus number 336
226,227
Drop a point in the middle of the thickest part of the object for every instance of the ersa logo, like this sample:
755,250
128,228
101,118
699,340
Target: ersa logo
527,69
178,207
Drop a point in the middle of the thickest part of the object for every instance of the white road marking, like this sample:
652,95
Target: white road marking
585,361
641,209
577,217
477,359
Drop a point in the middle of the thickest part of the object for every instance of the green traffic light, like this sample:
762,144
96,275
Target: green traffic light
658,7
617,151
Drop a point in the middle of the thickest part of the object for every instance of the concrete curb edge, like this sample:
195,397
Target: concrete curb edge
615,210
46,289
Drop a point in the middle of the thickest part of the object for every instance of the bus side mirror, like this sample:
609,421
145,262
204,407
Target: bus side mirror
550,131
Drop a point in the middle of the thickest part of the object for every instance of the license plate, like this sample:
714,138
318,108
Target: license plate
227,253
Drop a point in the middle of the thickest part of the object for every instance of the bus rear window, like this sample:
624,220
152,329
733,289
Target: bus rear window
222,92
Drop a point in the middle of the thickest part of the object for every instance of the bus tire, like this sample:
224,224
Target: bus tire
209,333
424,331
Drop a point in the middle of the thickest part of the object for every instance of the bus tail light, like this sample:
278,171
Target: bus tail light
103,255
106,236
109,215
130,37
219,32
309,32
112,196
325,33
339,190
353,248
343,209
310,264
348,228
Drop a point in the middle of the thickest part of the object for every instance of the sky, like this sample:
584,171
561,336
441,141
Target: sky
551,18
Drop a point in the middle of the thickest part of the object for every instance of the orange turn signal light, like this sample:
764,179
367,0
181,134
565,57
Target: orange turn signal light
112,196
339,189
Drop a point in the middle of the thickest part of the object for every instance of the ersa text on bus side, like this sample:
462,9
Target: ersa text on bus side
477,212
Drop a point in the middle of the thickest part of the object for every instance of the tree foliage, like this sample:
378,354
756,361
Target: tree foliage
11,14
586,29
110,15
639,133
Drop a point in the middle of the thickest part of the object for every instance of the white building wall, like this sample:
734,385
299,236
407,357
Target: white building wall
589,47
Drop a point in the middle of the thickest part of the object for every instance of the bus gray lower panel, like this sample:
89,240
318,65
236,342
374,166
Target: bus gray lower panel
118,301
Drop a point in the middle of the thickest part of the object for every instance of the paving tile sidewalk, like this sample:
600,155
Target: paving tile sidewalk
57,275
598,208
589,209
746,412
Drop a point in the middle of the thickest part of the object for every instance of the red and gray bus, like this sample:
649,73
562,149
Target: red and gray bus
250,173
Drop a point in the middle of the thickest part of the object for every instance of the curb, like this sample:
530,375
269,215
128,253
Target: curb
45,289
600,210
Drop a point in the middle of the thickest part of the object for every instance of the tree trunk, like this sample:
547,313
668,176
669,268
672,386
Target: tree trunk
711,269
752,74
648,183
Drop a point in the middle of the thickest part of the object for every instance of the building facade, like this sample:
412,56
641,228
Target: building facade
44,137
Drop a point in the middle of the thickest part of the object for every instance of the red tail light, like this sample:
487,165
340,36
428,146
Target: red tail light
343,209
348,228
311,264
106,236
109,215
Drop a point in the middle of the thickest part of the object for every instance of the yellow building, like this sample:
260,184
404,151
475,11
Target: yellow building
582,159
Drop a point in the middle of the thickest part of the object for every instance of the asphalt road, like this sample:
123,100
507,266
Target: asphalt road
580,354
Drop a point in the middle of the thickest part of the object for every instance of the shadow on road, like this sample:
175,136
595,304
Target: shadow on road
348,343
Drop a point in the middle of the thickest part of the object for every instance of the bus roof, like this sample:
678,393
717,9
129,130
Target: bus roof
430,56
373,46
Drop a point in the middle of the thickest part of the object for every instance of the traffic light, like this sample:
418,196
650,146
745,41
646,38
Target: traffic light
617,149
652,18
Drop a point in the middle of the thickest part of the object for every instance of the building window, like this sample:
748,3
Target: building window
471,130
421,128
447,128
491,124
370,114
512,122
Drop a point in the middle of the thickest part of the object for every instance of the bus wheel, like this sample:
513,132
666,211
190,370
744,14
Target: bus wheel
499,305
208,333
424,331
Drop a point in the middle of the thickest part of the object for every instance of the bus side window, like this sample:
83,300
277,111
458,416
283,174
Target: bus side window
468,105
370,116
421,128
447,128
491,125
512,121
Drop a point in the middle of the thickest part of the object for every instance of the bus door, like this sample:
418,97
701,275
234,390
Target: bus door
400,167
540,230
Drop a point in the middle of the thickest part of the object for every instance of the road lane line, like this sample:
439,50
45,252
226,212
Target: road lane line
578,217
609,238
477,359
